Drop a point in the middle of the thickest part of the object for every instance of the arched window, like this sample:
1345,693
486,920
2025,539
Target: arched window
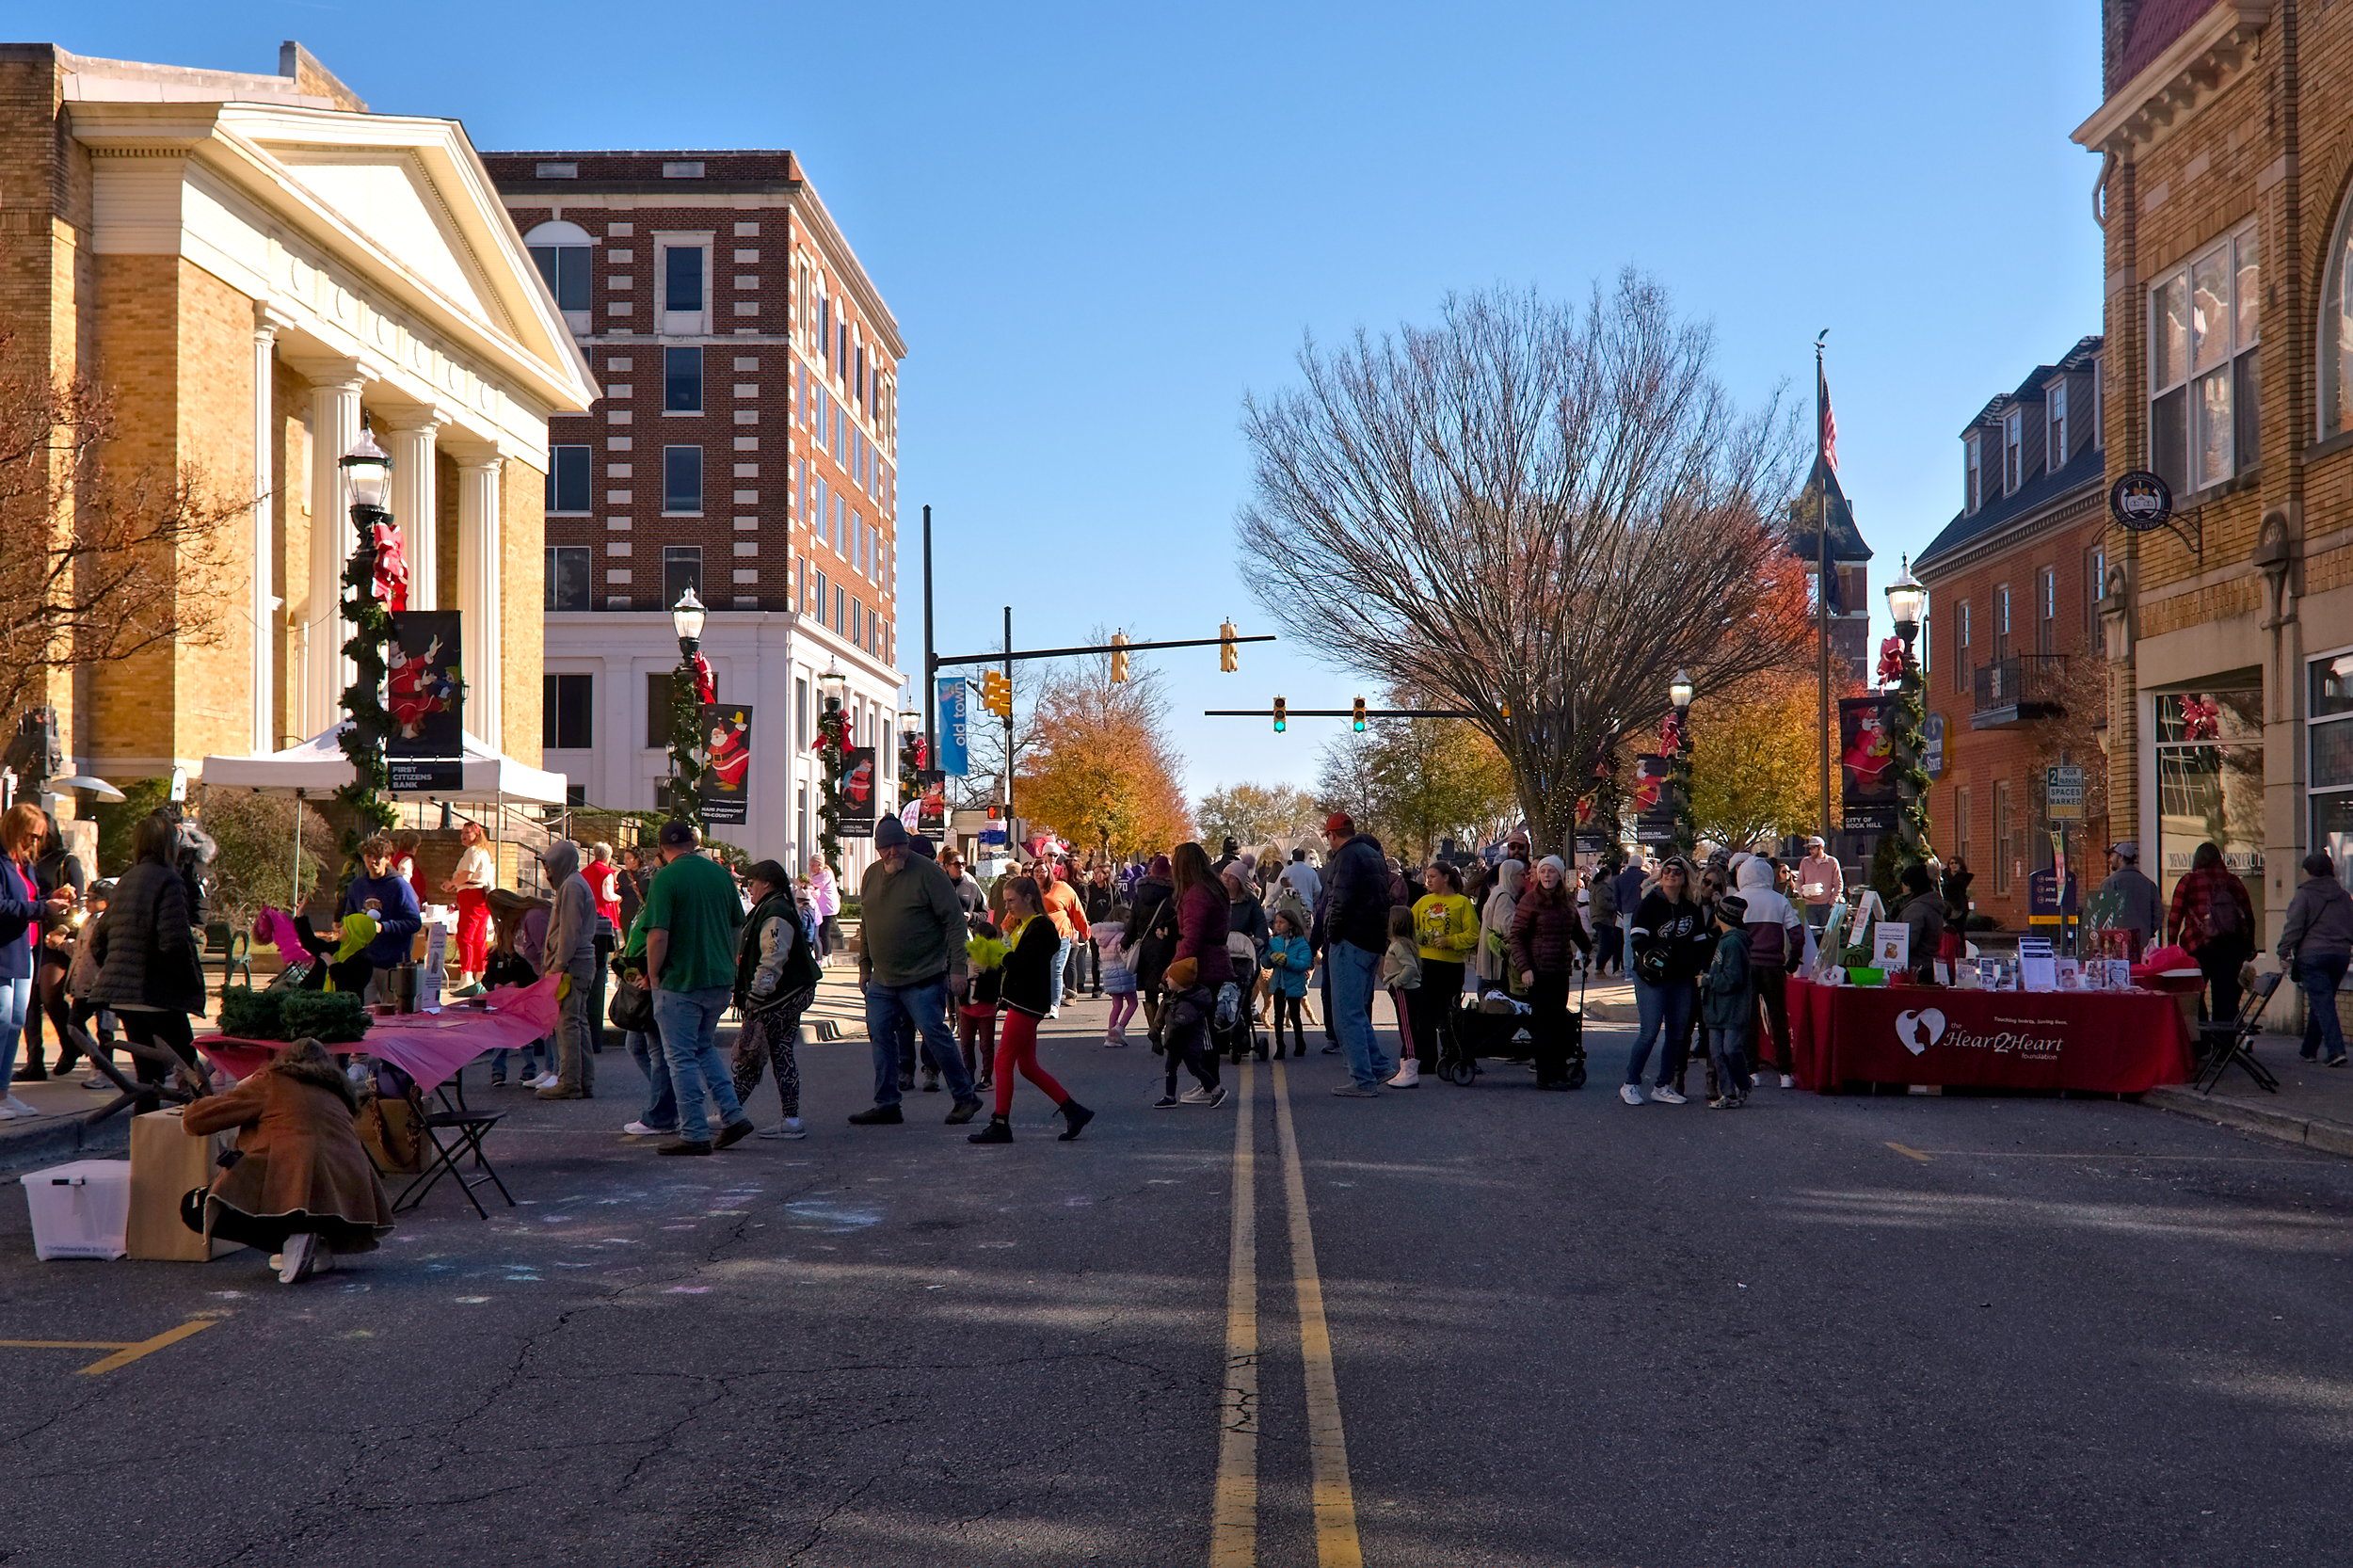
561,250
2336,331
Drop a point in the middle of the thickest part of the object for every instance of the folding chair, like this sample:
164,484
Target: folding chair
2226,1042
455,1133
233,948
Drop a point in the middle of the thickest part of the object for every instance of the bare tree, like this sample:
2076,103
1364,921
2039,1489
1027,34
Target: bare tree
1534,512
100,561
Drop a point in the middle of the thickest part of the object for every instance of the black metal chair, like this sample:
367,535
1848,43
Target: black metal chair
455,1133
232,949
2226,1042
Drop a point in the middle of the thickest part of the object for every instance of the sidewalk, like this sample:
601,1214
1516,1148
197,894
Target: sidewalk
2313,1107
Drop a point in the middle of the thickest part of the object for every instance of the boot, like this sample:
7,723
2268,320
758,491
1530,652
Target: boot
1408,1075
1076,1117
999,1130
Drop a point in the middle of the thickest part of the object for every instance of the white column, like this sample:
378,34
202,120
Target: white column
478,563
415,506
334,427
264,673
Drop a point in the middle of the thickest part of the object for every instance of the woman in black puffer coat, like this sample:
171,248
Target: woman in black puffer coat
150,970
1152,937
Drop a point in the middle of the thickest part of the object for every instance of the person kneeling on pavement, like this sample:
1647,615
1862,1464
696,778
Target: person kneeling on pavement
299,1183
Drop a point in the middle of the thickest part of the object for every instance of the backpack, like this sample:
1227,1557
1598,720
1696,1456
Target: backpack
2222,917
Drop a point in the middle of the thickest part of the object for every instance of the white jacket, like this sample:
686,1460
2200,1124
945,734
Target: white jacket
1753,881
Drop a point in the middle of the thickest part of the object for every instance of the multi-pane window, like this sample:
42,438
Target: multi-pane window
2003,860
2001,622
2046,610
2095,585
659,695
1973,470
682,378
2201,366
681,569
682,479
568,584
566,270
568,479
2013,450
1961,647
682,278
2055,406
1960,821
568,710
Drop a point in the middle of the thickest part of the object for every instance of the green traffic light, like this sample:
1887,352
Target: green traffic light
1281,725
1358,726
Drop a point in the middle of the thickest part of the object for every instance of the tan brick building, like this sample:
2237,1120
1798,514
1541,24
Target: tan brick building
2016,675
252,264
747,446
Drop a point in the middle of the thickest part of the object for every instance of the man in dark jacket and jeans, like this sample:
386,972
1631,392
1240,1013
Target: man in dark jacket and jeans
1356,932
2316,941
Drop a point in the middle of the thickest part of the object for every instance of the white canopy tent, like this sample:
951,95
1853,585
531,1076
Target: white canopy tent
318,767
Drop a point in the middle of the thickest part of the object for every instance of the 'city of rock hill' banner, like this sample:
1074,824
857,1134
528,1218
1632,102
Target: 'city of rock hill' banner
1867,763
727,763
1655,801
426,692
856,820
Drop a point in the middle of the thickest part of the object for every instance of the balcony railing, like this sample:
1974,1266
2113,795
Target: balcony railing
2022,687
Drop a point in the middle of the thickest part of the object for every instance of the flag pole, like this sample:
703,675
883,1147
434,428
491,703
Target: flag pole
1821,582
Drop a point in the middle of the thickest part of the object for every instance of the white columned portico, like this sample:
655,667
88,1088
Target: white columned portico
416,505
479,556
334,427
263,600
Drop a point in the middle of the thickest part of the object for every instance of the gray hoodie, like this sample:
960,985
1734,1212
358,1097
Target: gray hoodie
2319,921
572,923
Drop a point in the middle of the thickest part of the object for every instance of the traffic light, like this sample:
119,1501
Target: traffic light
1282,715
1357,719
996,694
1119,657
1228,658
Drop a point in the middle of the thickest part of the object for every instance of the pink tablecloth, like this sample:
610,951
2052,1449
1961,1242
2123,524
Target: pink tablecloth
428,1046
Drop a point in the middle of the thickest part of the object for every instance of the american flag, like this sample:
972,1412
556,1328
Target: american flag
1828,422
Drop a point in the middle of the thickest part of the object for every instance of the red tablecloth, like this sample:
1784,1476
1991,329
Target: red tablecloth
2116,1042
428,1046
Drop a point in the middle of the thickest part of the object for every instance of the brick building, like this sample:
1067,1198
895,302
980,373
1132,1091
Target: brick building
746,446
250,264
2013,645
2226,136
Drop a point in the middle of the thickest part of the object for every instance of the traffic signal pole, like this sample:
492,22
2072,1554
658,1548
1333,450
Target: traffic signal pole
931,663
1009,712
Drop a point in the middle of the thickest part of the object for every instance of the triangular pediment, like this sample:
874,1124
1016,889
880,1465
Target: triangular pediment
388,196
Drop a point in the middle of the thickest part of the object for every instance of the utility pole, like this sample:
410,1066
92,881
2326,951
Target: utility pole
1821,583
931,664
1008,713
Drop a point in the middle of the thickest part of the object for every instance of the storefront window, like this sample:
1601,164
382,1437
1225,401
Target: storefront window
2329,754
2210,785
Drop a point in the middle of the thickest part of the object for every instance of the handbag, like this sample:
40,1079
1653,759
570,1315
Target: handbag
632,1007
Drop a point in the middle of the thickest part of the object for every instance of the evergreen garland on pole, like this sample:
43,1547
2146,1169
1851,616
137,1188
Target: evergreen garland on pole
371,724
1912,774
833,740
687,754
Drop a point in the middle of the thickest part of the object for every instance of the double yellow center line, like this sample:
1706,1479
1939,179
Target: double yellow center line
1234,1522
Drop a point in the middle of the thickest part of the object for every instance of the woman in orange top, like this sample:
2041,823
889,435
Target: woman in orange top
1069,915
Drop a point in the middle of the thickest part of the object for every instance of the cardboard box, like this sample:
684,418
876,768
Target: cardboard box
164,1163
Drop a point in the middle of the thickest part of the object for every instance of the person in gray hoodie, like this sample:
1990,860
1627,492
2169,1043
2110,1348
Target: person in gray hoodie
570,950
2316,942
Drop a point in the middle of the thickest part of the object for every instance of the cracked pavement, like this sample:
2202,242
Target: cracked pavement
1565,1332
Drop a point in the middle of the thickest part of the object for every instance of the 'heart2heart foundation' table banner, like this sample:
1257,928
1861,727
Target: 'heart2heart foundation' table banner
2115,1041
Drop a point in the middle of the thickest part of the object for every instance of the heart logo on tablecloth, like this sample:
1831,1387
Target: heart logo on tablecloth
1917,1032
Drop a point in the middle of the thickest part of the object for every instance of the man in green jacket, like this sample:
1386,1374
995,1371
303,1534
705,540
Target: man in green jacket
909,920
692,914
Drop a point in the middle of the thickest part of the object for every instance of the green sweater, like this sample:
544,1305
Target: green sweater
907,920
694,899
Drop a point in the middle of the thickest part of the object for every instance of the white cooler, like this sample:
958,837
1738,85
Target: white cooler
80,1210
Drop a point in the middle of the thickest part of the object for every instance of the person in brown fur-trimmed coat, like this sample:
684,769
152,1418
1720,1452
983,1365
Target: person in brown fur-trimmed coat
300,1184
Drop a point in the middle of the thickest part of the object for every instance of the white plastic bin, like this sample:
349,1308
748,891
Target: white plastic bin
80,1210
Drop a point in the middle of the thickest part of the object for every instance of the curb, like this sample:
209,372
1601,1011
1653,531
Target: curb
61,1139
2329,1136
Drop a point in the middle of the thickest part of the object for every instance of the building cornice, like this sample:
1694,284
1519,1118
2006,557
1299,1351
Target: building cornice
2192,69
2061,511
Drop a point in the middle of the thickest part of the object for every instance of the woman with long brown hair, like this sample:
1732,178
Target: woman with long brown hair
21,834
1195,973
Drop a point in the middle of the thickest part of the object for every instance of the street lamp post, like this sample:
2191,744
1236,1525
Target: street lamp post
686,778
367,471
1906,601
1679,693
833,730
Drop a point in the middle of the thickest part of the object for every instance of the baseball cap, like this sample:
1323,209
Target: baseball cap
1339,821
679,833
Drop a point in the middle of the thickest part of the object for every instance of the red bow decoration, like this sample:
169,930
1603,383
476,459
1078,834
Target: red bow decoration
706,688
2202,718
1891,662
391,585
1671,734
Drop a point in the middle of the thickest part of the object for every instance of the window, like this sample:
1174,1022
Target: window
821,597
2209,749
658,700
2055,402
1961,822
682,478
561,252
2003,869
2013,450
681,569
840,599
2201,366
1961,646
682,278
800,714
682,378
808,506
684,168
2001,622
2095,585
1972,471
568,584
555,171
567,709
2098,404
2046,610
568,479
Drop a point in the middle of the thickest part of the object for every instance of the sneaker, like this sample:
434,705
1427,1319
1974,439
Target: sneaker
1667,1096
1719,1103
562,1091
878,1115
96,1081
930,1080
1197,1095
999,1130
546,1081
639,1129
1166,1102
788,1128
32,1072
735,1132
2336,1061
1331,1050
906,1080
1217,1096
1630,1093
686,1146
1408,1076
295,1261
15,1107
1356,1091
963,1110
1788,1081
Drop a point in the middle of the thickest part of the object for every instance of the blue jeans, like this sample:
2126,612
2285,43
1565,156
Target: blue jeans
660,1111
1662,1009
689,1025
1728,1048
2319,977
1355,972
894,1016
16,997
1055,977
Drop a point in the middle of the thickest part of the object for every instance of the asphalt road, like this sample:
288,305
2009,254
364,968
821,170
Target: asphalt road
1560,1331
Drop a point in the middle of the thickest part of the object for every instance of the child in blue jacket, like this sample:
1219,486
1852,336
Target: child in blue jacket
1289,959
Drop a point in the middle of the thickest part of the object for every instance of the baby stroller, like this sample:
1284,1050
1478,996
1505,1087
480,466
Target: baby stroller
1500,1029
1242,1038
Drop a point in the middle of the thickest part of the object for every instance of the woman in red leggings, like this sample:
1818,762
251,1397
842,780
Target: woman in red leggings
1027,991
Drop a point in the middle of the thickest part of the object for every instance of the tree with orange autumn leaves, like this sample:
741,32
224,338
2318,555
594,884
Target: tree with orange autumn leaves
1100,769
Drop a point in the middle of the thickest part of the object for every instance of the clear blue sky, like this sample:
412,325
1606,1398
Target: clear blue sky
1100,225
